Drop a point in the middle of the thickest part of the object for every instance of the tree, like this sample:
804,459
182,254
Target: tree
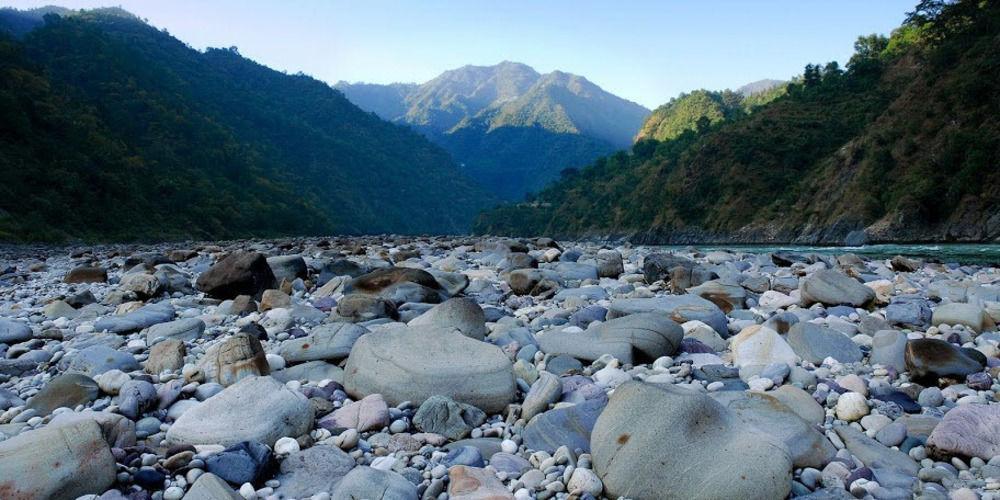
867,53
811,76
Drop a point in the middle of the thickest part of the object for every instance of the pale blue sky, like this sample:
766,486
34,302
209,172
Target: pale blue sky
646,51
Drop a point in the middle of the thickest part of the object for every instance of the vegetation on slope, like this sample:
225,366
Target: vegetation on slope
903,145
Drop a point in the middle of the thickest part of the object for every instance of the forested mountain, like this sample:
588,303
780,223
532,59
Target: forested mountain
903,145
511,128
699,109
113,130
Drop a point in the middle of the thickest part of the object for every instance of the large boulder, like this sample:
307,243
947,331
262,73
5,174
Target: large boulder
929,359
834,288
873,454
680,308
758,345
460,313
722,458
368,482
254,409
144,317
628,338
971,315
909,311
86,274
415,363
331,341
240,273
814,343
727,296
566,426
971,430
233,359
288,267
380,281
66,390
444,416
315,469
57,462
12,332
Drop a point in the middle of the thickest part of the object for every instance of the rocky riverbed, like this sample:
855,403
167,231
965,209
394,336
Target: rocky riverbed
404,368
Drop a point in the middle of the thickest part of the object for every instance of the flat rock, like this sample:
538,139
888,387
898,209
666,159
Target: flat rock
144,317
968,430
444,416
760,346
680,308
814,343
208,486
834,288
459,313
415,363
254,409
873,454
66,390
58,462
366,482
315,469
310,371
570,426
86,274
721,457
971,315
727,296
12,332
474,483
97,359
628,338
185,329
331,341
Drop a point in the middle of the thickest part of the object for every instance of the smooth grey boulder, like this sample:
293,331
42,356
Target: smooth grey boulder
889,349
415,363
144,317
910,311
545,391
609,264
460,313
186,329
971,315
727,296
310,371
118,431
814,343
57,462
680,308
628,338
573,271
443,415
208,486
288,267
567,426
12,332
332,341
97,359
366,482
315,469
66,390
834,288
873,454
971,430
807,446
253,409
721,458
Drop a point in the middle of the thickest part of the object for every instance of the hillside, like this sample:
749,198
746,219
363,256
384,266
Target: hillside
902,146
114,130
702,108
511,128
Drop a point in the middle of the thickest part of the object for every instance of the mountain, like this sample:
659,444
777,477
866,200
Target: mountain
902,146
759,87
514,130
113,130
702,108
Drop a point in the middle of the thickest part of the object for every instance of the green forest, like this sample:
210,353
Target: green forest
112,130
902,144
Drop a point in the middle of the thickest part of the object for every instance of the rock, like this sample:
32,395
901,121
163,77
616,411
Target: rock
629,338
463,455
851,406
760,346
136,397
873,454
211,487
801,402
568,426
118,431
460,313
705,334
933,358
360,308
233,359
908,311
240,273
380,281
166,356
58,462
185,329
331,341
97,359
274,299
889,349
658,266
288,268
680,308
971,315
444,416
59,309
473,483
573,271
523,281
508,463
807,446
312,371
968,430
370,413
585,481
609,264
315,469
727,296
367,482
814,343
144,317
142,285
240,463
12,332
545,391
254,409
903,264
833,288
415,363
721,458
86,274
66,390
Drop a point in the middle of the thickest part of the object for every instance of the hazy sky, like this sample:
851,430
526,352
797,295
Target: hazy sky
646,51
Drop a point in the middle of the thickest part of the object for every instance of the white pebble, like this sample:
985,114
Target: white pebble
286,446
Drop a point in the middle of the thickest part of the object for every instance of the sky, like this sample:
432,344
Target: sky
647,51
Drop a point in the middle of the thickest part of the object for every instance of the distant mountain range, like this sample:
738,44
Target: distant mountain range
512,128
111,129
901,145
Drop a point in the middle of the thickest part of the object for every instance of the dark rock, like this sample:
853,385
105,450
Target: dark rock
241,463
240,273
930,359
